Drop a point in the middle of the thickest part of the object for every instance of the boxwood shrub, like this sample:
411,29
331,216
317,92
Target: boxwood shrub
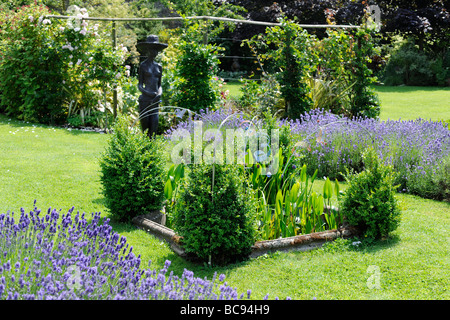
369,202
132,172
216,220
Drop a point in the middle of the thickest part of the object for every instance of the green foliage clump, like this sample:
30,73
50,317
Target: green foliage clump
54,71
215,215
344,58
258,97
286,51
363,99
408,65
32,70
412,65
195,73
369,202
132,172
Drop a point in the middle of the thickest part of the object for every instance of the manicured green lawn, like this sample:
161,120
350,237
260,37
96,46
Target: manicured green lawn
55,166
59,169
402,102
412,264
409,103
233,88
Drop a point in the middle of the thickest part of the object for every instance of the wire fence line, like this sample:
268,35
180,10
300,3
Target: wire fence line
237,21
212,18
264,23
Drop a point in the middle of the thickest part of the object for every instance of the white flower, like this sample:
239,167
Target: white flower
83,31
61,29
78,62
118,75
127,67
123,48
46,21
68,46
31,18
356,243
91,58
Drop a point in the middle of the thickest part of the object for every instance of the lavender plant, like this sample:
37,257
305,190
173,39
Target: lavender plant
67,257
418,150
214,119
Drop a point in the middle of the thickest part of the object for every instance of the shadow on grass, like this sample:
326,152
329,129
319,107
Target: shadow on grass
100,201
372,246
358,244
178,263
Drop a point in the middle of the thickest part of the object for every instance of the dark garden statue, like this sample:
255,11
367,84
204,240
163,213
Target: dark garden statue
150,74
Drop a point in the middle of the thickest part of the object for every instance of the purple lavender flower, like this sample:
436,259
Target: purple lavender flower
60,257
414,148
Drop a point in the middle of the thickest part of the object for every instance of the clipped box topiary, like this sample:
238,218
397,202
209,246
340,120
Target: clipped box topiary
132,172
215,214
369,203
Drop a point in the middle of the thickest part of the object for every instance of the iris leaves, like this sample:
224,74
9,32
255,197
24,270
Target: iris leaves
288,206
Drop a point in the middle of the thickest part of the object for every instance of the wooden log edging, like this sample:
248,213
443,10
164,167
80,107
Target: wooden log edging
296,243
302,242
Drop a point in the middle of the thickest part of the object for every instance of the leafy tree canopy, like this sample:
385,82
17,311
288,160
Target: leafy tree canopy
425,20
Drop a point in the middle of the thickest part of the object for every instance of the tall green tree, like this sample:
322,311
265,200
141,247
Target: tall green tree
195,71
286,52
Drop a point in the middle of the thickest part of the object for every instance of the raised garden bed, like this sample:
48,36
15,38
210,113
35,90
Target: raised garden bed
154,224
